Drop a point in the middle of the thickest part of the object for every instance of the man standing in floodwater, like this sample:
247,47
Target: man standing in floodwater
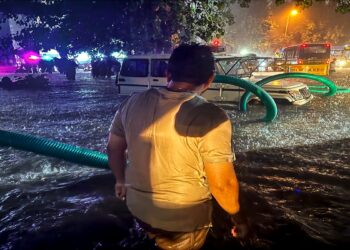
70,70
179,152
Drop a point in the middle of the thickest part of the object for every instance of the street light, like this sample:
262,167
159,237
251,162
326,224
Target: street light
291,13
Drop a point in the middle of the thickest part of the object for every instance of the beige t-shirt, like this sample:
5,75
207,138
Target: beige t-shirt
169,136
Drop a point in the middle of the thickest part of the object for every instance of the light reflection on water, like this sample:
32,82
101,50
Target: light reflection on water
293,171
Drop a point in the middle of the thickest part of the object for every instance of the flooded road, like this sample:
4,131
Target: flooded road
294,172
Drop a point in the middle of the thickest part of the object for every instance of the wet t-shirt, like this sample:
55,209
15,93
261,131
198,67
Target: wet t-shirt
170,135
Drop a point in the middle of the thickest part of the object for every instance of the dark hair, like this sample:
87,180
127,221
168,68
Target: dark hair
192,63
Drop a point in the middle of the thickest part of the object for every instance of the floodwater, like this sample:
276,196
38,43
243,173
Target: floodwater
294,172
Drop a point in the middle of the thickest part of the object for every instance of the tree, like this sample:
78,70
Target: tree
107,25
247,33
342,6
203,19
315,32
72,26
273,40
310,31
139,25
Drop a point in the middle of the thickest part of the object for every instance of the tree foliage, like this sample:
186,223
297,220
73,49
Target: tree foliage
265,34
139,25
312,32
247,33
342,6
315,32
107,25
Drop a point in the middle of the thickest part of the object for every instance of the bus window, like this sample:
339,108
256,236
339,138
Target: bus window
314,51
159,67
290,53
134,68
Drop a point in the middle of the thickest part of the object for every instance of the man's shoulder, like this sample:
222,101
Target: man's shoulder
140,96
201,108
144,94
197,117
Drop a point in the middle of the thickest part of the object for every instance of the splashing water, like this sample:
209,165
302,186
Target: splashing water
293,172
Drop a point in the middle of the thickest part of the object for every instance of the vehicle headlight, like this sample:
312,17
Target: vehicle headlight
340,63
296,94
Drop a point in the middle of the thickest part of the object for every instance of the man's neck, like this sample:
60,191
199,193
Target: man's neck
182,87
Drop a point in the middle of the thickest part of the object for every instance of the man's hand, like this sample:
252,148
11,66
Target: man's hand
120,190
240,229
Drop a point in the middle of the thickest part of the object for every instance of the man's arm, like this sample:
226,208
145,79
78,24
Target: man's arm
223,185
116,148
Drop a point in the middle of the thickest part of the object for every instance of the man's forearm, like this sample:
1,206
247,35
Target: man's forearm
223,185
227,196
117,163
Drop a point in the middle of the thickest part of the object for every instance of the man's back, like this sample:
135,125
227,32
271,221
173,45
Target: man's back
165,131
179,147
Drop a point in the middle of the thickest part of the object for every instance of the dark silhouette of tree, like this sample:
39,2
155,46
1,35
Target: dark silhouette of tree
139,25
107,25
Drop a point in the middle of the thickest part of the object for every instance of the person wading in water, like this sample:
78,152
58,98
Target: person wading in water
179,152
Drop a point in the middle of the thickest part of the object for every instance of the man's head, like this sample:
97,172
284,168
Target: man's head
191,63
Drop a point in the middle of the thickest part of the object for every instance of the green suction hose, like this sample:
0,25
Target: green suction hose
323,89
96,159
343,90
271,107
54,148
331,86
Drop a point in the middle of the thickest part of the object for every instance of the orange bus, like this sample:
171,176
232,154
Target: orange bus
311,58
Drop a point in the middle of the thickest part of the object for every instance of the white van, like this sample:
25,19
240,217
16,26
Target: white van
141,72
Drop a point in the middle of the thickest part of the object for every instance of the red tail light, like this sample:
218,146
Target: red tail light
327,45
216,42
303,45
300,61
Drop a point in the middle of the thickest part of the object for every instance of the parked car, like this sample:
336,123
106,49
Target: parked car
141,72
